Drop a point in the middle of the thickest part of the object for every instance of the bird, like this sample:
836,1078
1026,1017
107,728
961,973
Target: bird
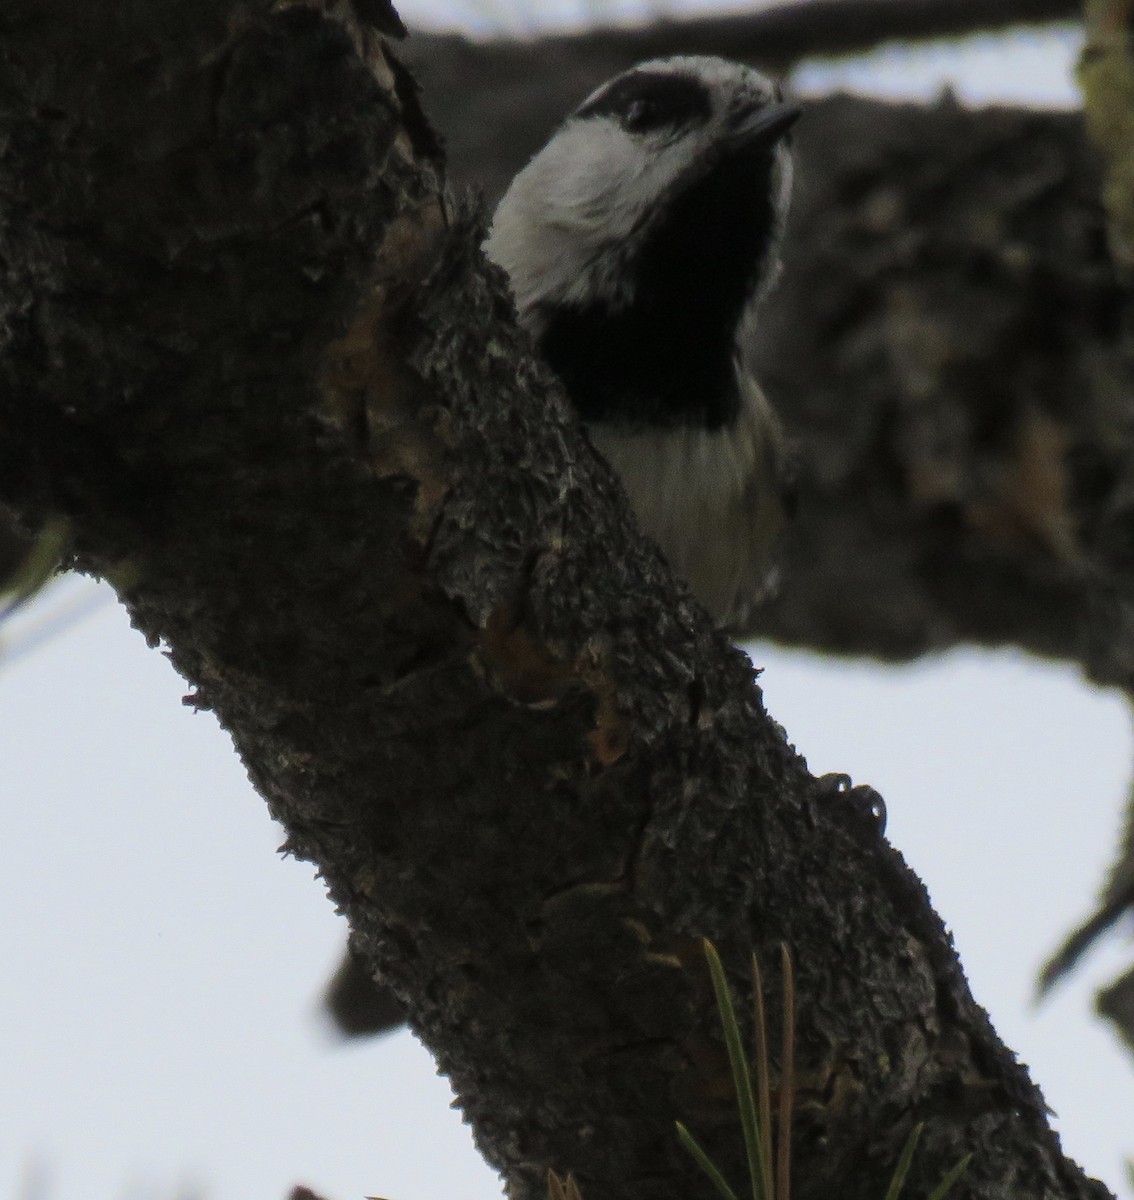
639,243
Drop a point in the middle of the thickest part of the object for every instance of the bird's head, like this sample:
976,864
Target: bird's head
668,182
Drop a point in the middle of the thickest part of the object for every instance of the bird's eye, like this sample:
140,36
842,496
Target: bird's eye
641,101
641,114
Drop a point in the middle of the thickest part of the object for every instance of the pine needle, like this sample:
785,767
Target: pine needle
763,1081
742,1080
703,1161
903,1167
946,1184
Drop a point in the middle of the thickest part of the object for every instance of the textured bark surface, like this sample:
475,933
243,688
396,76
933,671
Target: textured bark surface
249,350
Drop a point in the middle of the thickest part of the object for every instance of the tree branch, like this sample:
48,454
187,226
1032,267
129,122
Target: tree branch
497,100
252,353
775,36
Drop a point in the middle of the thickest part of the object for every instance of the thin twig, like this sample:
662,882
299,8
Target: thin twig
763,1082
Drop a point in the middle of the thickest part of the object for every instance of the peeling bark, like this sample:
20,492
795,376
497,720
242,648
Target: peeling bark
249,349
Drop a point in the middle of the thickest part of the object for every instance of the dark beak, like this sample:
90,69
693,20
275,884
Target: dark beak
763,126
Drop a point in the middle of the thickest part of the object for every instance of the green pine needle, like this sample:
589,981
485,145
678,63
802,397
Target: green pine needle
742,1079
704,1162
946,1184
903,1167
769,1183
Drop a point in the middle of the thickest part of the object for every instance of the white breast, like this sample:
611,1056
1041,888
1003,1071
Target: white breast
712,500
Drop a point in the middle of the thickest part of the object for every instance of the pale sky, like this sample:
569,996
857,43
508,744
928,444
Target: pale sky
158,1027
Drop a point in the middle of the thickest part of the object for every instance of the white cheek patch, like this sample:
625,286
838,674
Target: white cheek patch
567,224
566,232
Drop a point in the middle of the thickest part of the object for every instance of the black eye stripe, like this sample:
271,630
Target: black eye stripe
645,100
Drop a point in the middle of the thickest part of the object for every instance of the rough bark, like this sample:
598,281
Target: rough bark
250,351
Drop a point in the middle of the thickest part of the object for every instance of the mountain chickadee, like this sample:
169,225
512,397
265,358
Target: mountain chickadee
639,242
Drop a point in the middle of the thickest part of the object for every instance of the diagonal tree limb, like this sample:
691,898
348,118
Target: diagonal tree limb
251,352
